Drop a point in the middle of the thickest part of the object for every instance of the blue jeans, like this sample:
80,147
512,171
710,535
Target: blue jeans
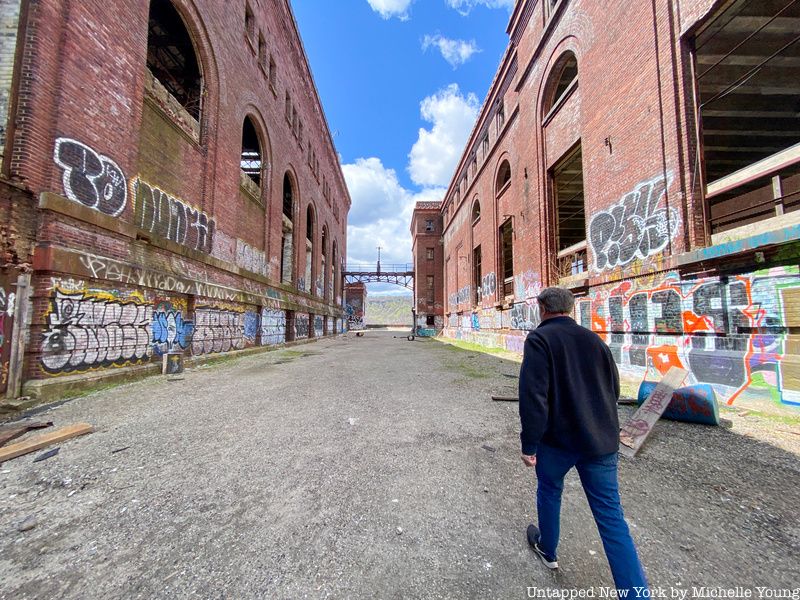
599,478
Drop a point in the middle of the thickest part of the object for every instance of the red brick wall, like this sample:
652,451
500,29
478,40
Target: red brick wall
90,127
633,114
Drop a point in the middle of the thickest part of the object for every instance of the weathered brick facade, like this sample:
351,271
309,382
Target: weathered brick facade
588,167
156,218
428,252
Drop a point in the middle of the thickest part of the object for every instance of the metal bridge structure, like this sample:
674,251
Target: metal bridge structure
398,274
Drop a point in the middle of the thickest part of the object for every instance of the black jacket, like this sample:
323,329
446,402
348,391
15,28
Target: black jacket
568,390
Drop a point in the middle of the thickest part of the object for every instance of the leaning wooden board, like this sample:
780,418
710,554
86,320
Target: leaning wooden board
636,429
53,437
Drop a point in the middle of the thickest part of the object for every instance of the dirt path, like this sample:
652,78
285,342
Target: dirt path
367,467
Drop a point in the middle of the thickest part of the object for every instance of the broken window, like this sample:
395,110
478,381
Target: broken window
476,211
570,213
429,253
171,56
324,266
251,162
287,241
507,257
563,78
748,84
310,272
503,176
429,225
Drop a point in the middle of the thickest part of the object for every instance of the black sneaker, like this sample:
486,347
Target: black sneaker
533,539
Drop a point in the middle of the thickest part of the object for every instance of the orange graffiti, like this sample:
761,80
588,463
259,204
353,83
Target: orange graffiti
664,358
693,323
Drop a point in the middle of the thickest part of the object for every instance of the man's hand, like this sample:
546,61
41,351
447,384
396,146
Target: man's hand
529,461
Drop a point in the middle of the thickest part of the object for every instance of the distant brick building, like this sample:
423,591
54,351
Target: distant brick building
426,236
645,155
355,305
169,183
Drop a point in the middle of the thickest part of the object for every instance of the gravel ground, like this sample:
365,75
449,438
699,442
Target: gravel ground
373,468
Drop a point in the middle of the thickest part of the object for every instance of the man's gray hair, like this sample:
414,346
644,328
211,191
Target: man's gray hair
556,300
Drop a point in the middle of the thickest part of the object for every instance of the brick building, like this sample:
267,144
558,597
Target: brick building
169,184
355,305
428,252
644,154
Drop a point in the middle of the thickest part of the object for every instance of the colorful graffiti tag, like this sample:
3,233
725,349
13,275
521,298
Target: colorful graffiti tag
732,333
171,331
86,330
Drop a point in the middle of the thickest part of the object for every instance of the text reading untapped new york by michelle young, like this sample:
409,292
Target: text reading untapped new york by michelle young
674,593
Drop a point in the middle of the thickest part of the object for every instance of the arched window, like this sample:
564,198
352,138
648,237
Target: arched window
503,176
324,265
476,211
251,162
171,56
288,197
287,239
335,271
310,223
562,78
311,272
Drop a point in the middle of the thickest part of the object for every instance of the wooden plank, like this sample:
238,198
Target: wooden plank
636,429
505,398
42,441
18,337
14,431
768,166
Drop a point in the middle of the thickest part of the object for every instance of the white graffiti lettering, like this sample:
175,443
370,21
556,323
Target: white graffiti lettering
90,178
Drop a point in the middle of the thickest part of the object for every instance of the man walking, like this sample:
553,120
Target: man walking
568,392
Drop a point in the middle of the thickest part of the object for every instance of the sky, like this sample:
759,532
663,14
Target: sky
401,83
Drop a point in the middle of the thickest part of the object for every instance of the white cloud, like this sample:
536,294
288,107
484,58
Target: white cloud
392,8
465,6
380,213
456,52
435,154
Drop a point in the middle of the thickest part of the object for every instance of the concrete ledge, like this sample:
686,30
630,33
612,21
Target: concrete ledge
44,391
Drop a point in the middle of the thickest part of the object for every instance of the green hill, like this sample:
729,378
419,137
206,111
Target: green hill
388,310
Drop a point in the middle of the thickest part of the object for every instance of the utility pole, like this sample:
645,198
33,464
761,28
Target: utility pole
379,260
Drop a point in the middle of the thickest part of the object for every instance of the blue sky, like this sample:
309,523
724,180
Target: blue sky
401,82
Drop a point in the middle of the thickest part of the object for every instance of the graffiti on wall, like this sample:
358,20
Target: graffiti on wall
218,330
488,286
172,332
300,326
90,178
319,326
247,257
354,308
273,326
251,327
86,330
527,286
172,219
461,296
731,333
636,227
7,301
7,304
